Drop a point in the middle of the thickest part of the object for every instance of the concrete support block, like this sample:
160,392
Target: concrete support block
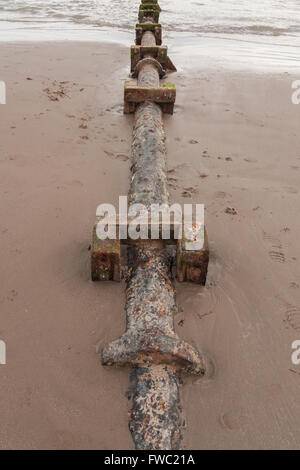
148,11
160,53
193,259
134,94
155,28
105,259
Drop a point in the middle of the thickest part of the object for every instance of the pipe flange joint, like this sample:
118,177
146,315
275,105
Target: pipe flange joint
149,60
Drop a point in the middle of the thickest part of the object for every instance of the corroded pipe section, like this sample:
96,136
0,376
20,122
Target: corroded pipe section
156,421
151,346
150,308
149,182
148,39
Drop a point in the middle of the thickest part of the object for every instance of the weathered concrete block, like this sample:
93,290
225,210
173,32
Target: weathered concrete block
149,11
105,259
135,57
155,28
160,53
192,260
134,94
137,53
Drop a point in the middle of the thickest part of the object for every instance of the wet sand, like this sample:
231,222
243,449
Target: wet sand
234,145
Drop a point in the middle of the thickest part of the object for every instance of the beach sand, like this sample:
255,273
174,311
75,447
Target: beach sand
233,144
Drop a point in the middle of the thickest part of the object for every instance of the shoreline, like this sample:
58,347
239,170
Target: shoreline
240,53
233,142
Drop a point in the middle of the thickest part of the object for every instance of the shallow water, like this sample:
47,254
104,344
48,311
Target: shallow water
259,34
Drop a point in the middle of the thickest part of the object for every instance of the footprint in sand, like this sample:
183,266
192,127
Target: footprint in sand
275,242
116,109
232,420
191,190
188,192
276,254
12,295
222,195
122,156
119,156
109,154
292,317
172,182
180,166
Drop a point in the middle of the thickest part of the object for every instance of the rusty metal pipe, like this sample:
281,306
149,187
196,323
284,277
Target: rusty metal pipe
149,182
148,39
150,344
155,422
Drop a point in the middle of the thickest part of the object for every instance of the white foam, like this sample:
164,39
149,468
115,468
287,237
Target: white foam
257,32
